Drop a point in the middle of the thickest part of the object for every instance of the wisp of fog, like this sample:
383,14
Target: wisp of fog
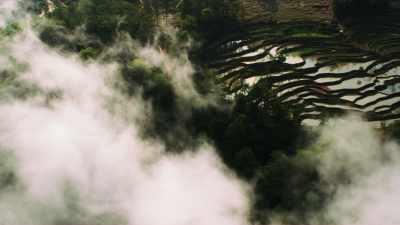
71,151
74,145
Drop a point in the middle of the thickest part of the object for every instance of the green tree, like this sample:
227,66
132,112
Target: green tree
256,126
104,19
209,18
351,9
290,185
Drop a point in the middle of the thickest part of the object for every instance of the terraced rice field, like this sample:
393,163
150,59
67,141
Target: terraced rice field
353,67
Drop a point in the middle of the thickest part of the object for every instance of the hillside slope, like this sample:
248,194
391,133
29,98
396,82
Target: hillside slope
287,10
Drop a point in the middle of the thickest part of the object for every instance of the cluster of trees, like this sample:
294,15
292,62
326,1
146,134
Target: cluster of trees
256,135
209,19
105,19
350,9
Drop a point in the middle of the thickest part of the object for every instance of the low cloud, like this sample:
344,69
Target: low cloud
78,158
6,9
363,168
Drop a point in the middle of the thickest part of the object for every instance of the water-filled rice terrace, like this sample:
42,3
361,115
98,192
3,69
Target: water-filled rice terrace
319,68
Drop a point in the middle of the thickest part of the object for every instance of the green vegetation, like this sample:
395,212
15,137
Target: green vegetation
248,131
345,9
8,178
258,132
209,18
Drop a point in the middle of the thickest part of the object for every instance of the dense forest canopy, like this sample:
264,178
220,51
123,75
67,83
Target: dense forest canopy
251,82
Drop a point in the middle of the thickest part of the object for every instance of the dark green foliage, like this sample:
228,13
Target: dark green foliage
54,35
162,7
67,15
351,9
10,30
57,35
104,19
89,53
290,185
8,176
154,87
251,130
209,18
38,5
11,87
254,133
393,130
